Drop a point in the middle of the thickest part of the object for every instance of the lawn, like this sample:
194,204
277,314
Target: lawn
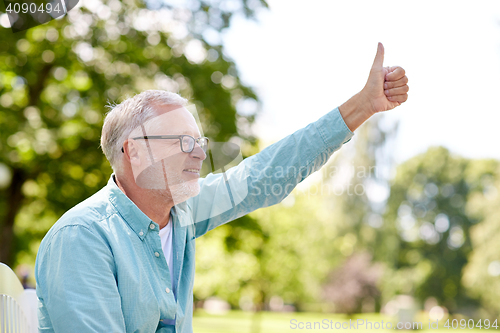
277,322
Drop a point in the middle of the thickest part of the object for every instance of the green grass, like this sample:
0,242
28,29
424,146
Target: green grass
277,322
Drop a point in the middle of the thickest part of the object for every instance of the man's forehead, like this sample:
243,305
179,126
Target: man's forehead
169,120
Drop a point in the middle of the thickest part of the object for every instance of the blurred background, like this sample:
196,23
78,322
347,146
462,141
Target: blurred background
400,225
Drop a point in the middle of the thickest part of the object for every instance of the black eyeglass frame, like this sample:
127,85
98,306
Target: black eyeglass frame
170,137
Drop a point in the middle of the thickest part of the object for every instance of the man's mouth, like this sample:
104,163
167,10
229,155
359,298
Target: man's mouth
196,171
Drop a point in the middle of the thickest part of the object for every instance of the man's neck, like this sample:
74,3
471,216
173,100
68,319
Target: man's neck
156,207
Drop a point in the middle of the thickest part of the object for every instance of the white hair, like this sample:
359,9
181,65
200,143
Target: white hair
123,118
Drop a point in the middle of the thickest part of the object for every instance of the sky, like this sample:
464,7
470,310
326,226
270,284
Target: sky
305,60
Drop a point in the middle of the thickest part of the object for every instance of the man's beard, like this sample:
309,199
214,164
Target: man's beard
167,183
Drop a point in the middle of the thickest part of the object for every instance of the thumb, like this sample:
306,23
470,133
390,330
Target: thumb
379,57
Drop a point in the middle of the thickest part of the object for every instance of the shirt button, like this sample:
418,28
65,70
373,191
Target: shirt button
151,226
167,290
141,233
157,254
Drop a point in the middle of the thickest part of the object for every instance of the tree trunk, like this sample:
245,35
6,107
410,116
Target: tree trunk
15,198
15,195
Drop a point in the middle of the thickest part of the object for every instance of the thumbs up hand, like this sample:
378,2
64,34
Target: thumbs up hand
386,87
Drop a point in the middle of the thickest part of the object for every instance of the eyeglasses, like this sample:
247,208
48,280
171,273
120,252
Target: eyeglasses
187,141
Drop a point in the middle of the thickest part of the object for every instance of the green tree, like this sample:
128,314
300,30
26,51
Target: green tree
426,234
56,78
483,268
283,254
290,249
355,185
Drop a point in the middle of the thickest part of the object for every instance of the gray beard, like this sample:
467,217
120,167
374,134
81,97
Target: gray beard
167,184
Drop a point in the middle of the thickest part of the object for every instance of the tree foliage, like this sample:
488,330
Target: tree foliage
427,234
480,275
288,253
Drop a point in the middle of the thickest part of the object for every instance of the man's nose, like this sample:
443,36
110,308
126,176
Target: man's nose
198,152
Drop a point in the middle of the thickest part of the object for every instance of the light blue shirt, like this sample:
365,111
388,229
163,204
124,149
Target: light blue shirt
101,267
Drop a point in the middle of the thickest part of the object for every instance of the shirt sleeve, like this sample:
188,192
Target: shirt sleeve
76,284
268,177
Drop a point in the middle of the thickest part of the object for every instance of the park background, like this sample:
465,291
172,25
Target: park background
402,223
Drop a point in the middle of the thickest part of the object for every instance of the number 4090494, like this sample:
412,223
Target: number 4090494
32,8
470,324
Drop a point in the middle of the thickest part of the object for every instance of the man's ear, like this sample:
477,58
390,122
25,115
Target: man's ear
131,150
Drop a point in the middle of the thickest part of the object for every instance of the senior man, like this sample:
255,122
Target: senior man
123,260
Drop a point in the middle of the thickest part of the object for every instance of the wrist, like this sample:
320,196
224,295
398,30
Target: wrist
355,111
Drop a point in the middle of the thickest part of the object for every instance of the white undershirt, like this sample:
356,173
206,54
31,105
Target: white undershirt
166,245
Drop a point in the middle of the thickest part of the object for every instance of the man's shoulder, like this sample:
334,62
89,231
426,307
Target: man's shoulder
88,214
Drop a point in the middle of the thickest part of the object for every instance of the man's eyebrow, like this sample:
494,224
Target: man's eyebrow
197,135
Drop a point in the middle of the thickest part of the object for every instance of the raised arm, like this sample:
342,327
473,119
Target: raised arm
269,176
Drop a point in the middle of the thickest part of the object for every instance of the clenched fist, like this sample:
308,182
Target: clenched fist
387,87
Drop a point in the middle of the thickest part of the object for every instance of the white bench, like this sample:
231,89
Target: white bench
18,306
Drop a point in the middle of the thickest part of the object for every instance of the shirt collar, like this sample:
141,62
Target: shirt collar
135,218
